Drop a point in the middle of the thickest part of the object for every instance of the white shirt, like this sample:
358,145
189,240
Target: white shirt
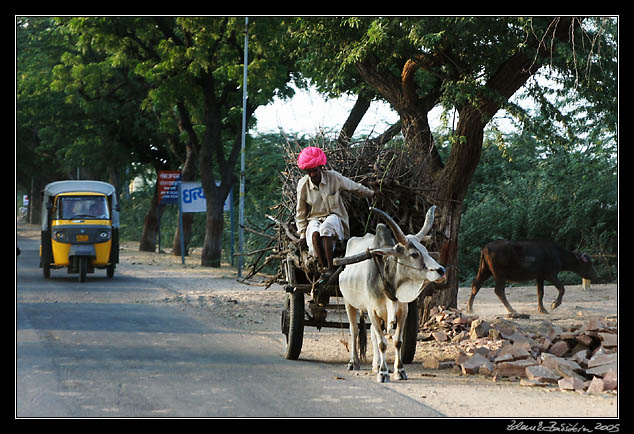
319,201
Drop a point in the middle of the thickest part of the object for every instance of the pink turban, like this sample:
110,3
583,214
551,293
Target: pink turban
311,157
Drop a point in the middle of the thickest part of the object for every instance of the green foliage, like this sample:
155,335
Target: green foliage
101,93
523,190
262,190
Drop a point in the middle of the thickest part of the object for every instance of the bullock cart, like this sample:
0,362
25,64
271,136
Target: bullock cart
311,300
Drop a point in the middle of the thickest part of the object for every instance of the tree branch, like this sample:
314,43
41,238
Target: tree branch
387,135
361,106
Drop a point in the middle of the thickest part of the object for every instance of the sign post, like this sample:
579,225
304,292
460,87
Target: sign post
243,144
192,199
168,188
168,193
180,222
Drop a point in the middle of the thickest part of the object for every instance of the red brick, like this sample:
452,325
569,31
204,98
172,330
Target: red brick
570,383
514,369
479,329
542,374
461,320
602,359
610,381
514,351
586,340
559,348
553,362
596,386
474,363
609,340
515,337
581,357
600,371
439,336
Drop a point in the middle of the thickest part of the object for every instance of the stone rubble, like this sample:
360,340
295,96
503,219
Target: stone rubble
582,359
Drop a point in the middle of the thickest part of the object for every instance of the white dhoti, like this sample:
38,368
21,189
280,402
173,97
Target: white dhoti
331,226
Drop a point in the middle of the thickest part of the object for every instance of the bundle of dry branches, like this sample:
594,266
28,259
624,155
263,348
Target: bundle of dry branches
389,170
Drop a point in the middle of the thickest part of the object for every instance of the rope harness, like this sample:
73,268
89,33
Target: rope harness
381,265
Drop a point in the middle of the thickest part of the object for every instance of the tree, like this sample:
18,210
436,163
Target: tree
193,70
113,130
473,65
75,118
38,47
524,188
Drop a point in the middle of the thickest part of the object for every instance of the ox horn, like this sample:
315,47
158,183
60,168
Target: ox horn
396,230
429,221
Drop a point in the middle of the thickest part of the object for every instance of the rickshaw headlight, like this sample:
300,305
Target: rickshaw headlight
104,235
60,236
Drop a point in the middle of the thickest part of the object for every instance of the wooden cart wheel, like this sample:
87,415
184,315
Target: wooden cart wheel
410,333
293,324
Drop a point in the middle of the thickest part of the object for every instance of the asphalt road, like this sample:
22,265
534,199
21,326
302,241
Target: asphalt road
113,348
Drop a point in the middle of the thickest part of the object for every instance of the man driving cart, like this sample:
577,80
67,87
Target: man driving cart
321,216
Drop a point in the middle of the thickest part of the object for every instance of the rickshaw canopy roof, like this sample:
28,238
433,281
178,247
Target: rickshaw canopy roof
82,186
58,187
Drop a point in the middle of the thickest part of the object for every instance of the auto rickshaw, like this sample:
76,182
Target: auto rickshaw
80,228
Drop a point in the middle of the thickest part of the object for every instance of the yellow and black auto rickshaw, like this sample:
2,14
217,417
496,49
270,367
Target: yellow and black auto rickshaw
80,228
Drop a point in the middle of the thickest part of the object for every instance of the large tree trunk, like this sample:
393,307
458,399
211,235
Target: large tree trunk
451,186
35,200
188,159
448,185
187,174
446,294
151,224
212,153
212,246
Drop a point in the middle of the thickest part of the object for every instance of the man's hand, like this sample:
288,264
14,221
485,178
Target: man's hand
377,192
375,187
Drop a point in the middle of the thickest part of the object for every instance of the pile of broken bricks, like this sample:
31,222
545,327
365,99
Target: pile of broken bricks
583,358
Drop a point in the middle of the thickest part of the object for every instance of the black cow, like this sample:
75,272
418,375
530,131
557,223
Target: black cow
518,261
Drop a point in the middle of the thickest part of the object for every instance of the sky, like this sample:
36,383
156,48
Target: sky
308,113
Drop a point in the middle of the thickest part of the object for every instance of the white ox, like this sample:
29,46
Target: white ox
383,286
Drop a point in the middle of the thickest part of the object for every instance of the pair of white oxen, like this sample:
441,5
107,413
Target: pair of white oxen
383,286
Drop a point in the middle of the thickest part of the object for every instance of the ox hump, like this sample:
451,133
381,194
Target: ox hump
360,244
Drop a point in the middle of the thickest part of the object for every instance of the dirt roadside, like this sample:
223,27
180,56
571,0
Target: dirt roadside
252,308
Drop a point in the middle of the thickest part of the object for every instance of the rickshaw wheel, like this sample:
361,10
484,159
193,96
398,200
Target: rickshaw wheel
293,324
410,333
110,271
83,268
46,270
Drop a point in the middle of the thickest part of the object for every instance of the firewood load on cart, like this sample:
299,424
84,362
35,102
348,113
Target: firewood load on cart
390,172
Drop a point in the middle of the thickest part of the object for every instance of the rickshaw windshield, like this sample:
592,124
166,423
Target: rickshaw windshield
87,207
